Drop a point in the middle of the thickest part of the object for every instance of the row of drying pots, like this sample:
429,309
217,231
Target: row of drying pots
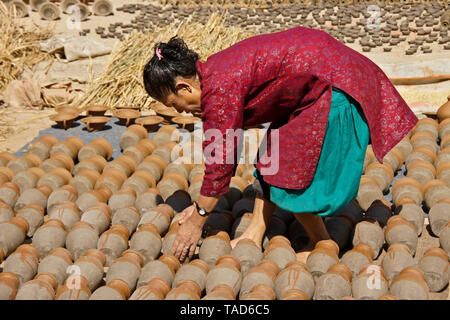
96,119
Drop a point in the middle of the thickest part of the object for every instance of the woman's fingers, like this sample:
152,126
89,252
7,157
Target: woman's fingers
192,250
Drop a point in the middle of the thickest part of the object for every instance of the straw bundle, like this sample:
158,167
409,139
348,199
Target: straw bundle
19,47
121,82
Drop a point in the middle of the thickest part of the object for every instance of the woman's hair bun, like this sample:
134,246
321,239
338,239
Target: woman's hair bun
176,49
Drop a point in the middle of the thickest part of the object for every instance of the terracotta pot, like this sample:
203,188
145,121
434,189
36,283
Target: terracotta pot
444,111
164,268
186,290
186,122
438,216
407,188
6,157
56,263
113,242
81,237
405,147
9,283
64,120
425,153
425,139
368,192
435,191
155,289
215,247
370,284
99,146
410,284
335,284
170,183
34,214
221,292
196,270
298,272
357,258
98,216
400,230
422,171
85,180
444,128
427,125
69,291
150,123
414,214
96,110
24,263
127,116
50,236
116,289
140,181
435,266
95,123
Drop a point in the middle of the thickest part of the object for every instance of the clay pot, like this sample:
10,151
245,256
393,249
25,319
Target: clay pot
222,292
90,268
186,122
167,113
295,276
148,200
258,275
92,197
240,225
425,139
116,289
380,210
414,214
368,192
370,284
147,241
113,242
98,216
186,290
9,283
214,247
444,238
55,178
41,288
294,294
438,216
65,193
50,236
425,153
443,172
128,217
444,111
74,289
171,183
400,230
150,123
164,268
196,270
34,215
21,164
394,158
33,196
405,147
112,179
397,258
280,251
227,272
49,11
140,181
140,151
99,146
6,212
382,173
422,171
410,285
407,188
435,267
9,193
159,218
248,254
123,198
6,157
132,136
322,258
357,258
369,231
125,268
168,151
64,120
81,237
335,284
23,263
444,128
427,125
95,123
56,263
85,180
12,234
42,146
95,162
127,116
435,191
28,179
96,110
58,160
155,289
70,147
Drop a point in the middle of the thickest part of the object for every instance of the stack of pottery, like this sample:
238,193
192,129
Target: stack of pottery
150,123
6,175
6,212
444,238
280,251
444,128
98,216
407,189
65,211
427,125
224,292
434,191
410,284
248,253
369,191
369,157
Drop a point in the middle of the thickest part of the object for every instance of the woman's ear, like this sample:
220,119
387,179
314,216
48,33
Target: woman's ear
180,85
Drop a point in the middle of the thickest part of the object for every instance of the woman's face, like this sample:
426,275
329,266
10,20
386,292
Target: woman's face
187,97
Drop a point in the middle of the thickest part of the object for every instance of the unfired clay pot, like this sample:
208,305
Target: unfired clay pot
335,284
248,253
407,188
9,193
56,263
95,162
81,237
357,258
435,191
410,284
295,276
164,268
42,287
435,267
397,258
414,214
147,241
98,146
50,236
116,289
422,171
227,271
400,230
74,289
369,231
12,233
155,289
23,262
67,212
215,247
368,191
90,268
85,180
98,216
196,270
9,283
113,242
370,284
34,214
127,268
186,290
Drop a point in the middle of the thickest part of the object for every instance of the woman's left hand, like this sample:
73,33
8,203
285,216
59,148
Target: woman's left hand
189,232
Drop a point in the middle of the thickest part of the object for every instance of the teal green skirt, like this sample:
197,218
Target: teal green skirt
338,172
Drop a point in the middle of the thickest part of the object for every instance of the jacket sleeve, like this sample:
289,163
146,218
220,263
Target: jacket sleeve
222,113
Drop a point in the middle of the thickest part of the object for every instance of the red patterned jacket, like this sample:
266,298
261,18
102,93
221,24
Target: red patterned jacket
286,78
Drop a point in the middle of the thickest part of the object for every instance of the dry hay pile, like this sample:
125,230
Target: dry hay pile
19,47
121,82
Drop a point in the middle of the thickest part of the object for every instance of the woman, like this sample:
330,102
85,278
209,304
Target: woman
325,99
